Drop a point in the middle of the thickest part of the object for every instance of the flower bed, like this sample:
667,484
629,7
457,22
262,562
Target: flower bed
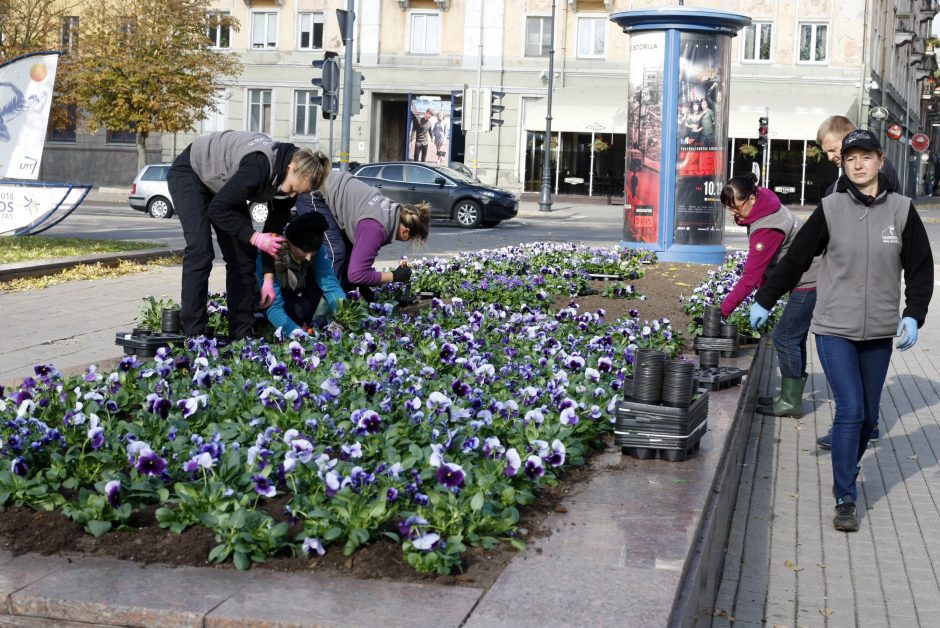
430,431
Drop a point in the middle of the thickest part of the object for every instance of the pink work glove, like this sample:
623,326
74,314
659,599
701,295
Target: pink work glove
270,243
267,292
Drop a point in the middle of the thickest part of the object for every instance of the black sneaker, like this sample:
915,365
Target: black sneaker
875,435
846,518
825,442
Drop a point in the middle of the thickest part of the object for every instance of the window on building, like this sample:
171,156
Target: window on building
425,33
814,40
264,30
538,36
310,36
757,37
68,33
259,110
121,137
216,117
592,37
62,124
305,112
219,29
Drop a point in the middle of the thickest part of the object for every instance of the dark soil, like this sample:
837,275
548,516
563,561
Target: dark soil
23,530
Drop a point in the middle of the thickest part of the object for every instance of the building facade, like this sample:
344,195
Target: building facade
797,63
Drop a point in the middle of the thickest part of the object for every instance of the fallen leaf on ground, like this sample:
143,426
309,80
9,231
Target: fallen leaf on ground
792,566
826,612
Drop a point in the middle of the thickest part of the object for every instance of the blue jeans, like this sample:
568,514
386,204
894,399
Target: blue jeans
856,370
791,331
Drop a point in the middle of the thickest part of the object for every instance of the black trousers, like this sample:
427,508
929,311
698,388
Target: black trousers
421,152
191,199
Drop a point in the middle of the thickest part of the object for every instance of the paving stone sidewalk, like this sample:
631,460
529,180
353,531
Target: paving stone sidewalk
787,566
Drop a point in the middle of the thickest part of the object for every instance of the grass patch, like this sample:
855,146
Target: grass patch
87,271
29,248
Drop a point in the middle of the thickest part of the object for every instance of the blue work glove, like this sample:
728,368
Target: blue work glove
907,330
759,315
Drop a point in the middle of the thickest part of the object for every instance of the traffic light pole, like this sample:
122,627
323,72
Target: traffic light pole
347,86
476,101
545,198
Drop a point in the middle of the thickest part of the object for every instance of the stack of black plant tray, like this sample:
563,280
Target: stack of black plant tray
661,414
717,341
645,430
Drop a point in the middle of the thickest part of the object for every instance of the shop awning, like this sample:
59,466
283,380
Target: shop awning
581,111
796,109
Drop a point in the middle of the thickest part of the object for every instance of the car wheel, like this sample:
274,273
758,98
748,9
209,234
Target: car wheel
259,212
468,214
159,207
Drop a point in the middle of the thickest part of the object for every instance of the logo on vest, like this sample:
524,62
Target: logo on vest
889,236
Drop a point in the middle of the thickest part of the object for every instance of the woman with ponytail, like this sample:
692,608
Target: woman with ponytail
362,221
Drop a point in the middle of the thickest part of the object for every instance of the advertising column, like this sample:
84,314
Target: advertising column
677,132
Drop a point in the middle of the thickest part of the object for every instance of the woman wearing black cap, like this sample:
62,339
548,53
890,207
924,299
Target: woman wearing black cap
299,276
869,236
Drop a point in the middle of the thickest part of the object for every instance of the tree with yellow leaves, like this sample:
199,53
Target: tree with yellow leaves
146,66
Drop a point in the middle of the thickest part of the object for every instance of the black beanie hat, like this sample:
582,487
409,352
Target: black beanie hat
306,231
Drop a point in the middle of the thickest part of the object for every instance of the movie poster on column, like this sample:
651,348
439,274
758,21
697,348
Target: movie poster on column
429,130
702,137
644,138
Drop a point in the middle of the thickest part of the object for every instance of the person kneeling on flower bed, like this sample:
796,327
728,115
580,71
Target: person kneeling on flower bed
300,275
771,228
364,222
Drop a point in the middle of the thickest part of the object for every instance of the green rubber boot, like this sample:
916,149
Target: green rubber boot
769,401
790,401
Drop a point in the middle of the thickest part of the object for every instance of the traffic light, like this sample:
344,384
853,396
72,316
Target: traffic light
763,126
457,107
328,82
356,93
496,109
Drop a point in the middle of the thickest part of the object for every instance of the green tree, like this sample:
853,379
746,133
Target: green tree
146,66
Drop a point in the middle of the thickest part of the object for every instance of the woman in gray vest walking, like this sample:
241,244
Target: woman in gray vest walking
869,237
211,183
771,228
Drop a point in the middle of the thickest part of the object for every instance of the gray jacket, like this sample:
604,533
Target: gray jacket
860,275
215,157
351,200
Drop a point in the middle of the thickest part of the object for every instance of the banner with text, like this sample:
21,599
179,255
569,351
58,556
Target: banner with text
26,84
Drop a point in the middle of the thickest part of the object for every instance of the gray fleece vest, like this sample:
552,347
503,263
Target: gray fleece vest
215,157
789,223
859,288
351,200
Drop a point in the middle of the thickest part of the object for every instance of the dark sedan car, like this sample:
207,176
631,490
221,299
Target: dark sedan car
452,195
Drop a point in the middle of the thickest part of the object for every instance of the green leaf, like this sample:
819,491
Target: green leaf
332,534
163,494
97,528
476,503
242,561
378,508
519,544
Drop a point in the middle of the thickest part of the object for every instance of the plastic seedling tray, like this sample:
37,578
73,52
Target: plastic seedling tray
719,378
146,345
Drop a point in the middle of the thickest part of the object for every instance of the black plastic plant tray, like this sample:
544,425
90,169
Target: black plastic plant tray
658,422
715,344
635,429
605,277
146,345
628,438
631,407
719,378
669,455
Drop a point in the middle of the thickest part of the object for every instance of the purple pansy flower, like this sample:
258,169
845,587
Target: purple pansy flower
513,462
534,468
311,545
263,486
450,475
557,456
113,491
427,541
149,463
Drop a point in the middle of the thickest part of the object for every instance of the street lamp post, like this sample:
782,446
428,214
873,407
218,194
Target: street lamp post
545,198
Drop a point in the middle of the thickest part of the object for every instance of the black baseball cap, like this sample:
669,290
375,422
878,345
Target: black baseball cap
861,138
